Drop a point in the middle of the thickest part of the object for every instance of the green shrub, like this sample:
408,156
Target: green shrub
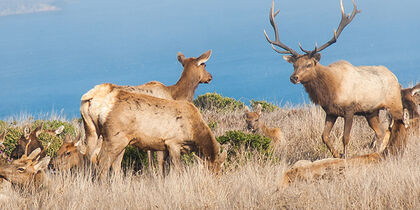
266,106
216,101
239,140
134,157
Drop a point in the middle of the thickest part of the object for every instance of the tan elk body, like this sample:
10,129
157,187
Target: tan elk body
193,74
341,89
256,125
411,101
149,123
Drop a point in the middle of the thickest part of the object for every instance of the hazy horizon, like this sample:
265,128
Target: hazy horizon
53,51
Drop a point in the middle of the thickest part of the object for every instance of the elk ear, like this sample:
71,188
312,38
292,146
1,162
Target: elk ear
59,130
38,130
181,58
26,132
67,139
415,90
203,58
289,58
317,57
2,136
81,147
247,109
34,153
42,164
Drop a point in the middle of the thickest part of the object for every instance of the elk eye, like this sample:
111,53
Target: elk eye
309,65
68,153
21,169
203,64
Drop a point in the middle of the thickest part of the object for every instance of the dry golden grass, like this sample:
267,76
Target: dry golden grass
247,183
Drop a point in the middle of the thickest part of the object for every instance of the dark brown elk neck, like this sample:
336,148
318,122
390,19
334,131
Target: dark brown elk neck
185,87
322,87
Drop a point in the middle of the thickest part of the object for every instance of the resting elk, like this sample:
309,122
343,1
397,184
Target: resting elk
32,136
256,125
341,89
304,170
149,123
411,101
193,74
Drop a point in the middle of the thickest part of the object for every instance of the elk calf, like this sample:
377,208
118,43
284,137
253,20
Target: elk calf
257,126
149,123
32,137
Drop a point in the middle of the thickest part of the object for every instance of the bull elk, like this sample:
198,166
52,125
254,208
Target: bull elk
341,89
33,138
254,124
194,73
149,123
28,169
395,139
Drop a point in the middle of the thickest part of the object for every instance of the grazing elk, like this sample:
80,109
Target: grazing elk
341,89
254,124
395,139
26,170
32,136
411,101
72,154
149,123
193,74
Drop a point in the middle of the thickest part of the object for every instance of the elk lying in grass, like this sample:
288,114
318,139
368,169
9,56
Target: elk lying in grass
411,101
26,170
149,123
257,126
32,136
341,89
193,74
72,154
395,139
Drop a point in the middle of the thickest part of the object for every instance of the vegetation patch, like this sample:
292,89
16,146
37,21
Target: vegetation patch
266,106
217,102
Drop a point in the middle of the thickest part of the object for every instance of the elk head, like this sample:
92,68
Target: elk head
411,100
195,68
25,170
304,65
71,154
252,119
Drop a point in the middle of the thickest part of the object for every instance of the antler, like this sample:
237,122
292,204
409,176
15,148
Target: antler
26,149
277,41
345,20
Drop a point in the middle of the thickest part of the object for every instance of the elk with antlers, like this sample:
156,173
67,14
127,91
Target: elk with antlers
341,89
194,73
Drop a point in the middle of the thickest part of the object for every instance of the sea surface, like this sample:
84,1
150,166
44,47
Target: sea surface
53,51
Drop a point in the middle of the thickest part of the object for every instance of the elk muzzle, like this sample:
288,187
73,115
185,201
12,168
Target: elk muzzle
294,79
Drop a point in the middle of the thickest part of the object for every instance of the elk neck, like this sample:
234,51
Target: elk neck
185,87
322,87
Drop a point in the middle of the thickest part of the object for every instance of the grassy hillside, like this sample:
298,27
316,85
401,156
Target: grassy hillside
247,181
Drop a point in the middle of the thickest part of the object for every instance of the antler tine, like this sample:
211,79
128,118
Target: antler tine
26,148
345,20
277,42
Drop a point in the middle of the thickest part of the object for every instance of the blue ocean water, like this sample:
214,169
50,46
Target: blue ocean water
53,51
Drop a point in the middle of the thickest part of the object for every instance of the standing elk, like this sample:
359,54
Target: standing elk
149,123
411,101
395,139
254,124
193,74
341,89
32,137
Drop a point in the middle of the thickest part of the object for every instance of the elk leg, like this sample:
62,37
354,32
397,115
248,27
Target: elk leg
374,123
174,152
150,159
111,149
348,122
160,156
329,123
116,165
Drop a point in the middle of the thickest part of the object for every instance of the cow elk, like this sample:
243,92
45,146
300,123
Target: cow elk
411,101
193,74
33,137
27,170
149,123
256,125
341,89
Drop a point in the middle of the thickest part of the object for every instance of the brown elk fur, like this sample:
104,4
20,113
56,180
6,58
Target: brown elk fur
304,170
411,101
71,154
32,137
149,123
257,126
193,74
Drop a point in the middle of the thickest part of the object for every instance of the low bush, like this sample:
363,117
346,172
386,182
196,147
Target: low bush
266,106
217,102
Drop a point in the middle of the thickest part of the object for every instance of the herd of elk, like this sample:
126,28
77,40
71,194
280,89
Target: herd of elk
193,74
341,89
254,124
155,117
